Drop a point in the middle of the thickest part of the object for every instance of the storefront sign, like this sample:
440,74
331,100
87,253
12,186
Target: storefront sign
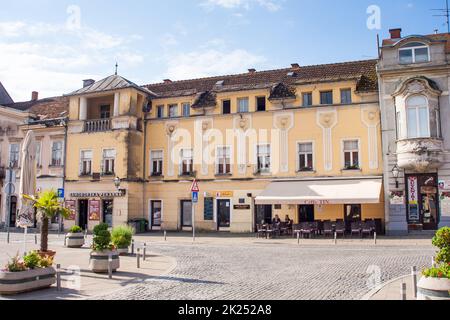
71,206
428,190
397,198
97,194
412,187
94,210
444,184
317,202
445,204
224,194
241,207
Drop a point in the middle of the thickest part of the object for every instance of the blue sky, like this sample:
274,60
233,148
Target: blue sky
50,46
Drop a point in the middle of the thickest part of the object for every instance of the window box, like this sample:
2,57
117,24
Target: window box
192,174
302,170
352,168
108,174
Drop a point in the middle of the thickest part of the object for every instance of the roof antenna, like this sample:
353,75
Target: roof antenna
117,66
444,13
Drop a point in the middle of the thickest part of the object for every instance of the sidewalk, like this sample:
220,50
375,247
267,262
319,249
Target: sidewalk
391,290
89,284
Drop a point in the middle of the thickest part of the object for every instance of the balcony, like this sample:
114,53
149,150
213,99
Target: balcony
100,125
420,155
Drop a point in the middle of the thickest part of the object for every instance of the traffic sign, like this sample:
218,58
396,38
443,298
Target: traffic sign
61,193
194,187
194,197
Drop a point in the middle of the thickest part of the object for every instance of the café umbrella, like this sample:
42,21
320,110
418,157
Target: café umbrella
27,184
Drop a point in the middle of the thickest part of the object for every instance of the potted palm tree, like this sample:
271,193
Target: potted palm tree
435,283
48,207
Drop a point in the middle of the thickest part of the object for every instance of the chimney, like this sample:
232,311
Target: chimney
167,81
252,71
34,96
295,66
88,82
396,33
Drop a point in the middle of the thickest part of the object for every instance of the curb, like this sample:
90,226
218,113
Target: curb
377,289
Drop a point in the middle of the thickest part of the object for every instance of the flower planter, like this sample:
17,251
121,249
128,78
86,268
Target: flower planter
122,251
433,289
74,240
26,281
98,261
48,253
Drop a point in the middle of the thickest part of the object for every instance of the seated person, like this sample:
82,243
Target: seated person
276,220
288,220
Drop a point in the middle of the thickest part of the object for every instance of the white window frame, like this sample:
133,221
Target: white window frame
160,107
343,151
173,106
239,104
428,135
182,158
263,171
108,159
61,160
82,162
313,154
183,106
351,98
159,160
413,50
17,161
303,99
218,160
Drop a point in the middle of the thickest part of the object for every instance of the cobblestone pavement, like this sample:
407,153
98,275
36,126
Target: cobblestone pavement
275,271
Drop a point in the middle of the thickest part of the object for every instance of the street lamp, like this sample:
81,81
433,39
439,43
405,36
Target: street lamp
396,174
117,182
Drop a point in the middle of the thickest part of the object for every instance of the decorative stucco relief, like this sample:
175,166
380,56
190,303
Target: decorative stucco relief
171,128
242,124
327,119
284,122
370,116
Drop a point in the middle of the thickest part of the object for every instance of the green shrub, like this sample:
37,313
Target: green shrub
121,236
32,260
100,227
102,240
443,271
442,241
46,262
75,229
16,265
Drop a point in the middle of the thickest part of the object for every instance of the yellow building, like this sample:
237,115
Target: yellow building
300,141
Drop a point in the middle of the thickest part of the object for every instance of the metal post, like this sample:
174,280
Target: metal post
110,260
335,238
35,238
414,281
58,277
298,237
132,246
193,222
165,235
138,258
144,252
403,291
375,238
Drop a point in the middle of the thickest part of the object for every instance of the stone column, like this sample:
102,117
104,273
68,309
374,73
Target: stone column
83,108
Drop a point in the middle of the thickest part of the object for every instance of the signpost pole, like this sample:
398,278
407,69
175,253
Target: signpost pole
8,202
193,222
194,192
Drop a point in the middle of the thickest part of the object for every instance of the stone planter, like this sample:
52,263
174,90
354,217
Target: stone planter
26,281
122,251
98,261
74,240
433,289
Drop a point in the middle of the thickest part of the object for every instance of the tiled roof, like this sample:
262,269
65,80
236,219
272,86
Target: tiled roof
5,98
110,83
431,37
49,108
363,71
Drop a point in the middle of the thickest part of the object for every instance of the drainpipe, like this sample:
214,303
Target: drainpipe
144,167
65,122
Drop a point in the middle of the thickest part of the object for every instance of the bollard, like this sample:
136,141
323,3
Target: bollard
85,234
138,257
335,238
35,238
403,291
375,238
298,237
132,246
165,235
110,260
58,277
414,281
144,252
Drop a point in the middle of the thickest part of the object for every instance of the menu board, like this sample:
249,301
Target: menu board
413,200
94,210
71,206
208,209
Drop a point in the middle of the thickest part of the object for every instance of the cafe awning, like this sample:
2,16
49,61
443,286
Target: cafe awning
322,192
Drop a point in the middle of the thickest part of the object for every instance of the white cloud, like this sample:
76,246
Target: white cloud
213,59
53,59
270,5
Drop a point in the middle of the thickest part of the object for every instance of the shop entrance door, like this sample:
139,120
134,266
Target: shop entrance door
83,214
186,213
223,213
108,212
306,213
263,214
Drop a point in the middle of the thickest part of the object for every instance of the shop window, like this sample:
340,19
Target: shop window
57,152
223,160
263,155
414,52
86,163
186,166
109,159
156,159
14,155
305,156
418,117
351,154
261,104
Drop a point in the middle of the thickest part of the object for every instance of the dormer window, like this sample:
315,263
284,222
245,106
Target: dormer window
414,52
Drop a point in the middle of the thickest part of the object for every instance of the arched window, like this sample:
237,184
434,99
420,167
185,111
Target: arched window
418,117
414,52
